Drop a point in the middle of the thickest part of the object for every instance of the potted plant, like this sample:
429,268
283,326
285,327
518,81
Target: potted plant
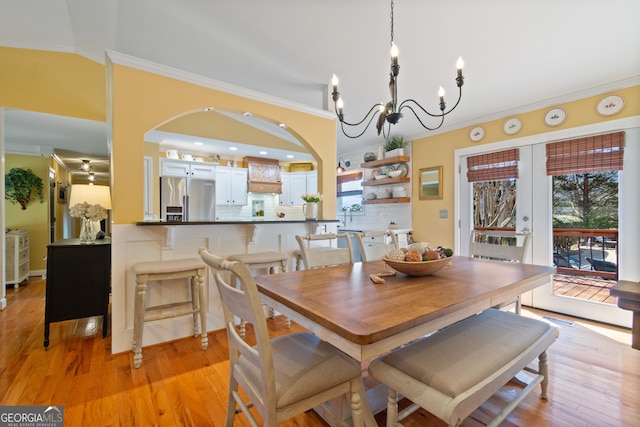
395,146
20,184
393,225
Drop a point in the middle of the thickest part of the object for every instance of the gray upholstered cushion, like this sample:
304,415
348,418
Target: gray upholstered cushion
304,366
462,355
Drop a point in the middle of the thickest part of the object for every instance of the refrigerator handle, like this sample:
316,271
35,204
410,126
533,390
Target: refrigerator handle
185,207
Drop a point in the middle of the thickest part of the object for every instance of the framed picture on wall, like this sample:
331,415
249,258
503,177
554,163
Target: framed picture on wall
62,193
431,183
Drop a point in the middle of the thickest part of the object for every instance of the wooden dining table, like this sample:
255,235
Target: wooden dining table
343,306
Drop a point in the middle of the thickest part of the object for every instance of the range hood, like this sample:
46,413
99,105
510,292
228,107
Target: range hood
264,175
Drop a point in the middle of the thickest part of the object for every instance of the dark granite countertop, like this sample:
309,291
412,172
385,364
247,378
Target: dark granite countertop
259,221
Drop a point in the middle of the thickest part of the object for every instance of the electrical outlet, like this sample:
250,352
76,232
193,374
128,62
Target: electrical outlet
444,213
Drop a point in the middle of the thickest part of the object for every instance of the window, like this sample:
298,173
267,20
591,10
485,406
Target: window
349,192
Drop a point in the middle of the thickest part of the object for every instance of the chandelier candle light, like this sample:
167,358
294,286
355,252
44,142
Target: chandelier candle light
391,112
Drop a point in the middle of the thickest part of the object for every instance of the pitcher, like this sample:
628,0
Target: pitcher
310,210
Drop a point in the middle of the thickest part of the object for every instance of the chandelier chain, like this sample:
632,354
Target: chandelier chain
392,21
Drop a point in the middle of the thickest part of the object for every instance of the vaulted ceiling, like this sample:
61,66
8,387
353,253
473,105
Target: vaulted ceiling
517,54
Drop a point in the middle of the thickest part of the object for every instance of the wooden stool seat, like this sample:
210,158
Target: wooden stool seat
191,268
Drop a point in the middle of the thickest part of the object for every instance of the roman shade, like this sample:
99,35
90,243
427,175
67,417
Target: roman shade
596,153
493,166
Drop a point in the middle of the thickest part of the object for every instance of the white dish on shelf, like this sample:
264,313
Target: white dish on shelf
382,176
395,174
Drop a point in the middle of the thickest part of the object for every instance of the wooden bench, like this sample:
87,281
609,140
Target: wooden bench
454,371
628,294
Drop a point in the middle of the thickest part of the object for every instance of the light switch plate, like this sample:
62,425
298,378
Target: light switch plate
444,213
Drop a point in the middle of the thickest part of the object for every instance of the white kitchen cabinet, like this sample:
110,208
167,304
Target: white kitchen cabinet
200,170
231,186
295,184
17,261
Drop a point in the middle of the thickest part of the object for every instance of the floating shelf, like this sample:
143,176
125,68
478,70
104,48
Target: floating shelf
390,200
386,181
385,162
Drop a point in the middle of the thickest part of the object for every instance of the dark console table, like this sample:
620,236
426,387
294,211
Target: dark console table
78,282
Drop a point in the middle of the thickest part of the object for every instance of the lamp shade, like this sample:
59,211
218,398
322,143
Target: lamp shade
92,194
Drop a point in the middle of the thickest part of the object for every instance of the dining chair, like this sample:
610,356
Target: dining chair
322,250
502,246
375,244
283,376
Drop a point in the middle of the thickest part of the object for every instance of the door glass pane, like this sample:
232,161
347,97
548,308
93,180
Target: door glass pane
494,204
585,235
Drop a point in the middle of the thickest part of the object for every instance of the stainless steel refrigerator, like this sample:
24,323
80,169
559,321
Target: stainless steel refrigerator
187,199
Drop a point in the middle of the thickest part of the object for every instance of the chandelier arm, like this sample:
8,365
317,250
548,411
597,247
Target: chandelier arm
341,115
342,123
419,120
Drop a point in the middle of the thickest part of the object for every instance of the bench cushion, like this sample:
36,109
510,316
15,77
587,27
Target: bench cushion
169,266
455,359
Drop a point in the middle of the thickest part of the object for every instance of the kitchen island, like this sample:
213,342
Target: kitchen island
159,241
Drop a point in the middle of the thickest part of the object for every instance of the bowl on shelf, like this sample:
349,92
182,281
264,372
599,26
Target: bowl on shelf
381,176
422,268
394,174
370,196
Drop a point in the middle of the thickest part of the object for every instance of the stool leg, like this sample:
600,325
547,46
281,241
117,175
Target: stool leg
138,320
202,304
195,303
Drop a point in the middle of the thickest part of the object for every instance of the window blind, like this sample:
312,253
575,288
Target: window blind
584,155
493,166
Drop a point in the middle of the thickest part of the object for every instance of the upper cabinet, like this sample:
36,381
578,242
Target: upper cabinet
295,184
199,170
231,186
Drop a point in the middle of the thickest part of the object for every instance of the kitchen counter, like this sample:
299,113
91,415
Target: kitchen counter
255,221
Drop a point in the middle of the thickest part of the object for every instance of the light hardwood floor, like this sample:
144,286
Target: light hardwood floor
595,375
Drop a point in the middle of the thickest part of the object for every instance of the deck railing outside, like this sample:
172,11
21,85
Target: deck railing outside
586,252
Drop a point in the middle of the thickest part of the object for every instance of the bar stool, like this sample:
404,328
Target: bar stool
192,269
254,261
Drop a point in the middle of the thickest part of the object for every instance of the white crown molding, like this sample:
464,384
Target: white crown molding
174,73
28,150
550,102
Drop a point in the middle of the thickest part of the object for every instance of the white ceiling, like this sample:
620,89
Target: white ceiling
517,54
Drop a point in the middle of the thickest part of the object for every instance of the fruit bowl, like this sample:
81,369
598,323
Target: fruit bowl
423,268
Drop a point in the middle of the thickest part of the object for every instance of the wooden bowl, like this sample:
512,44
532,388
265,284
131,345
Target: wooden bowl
423,268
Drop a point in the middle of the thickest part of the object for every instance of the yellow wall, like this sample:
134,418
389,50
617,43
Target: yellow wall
143,101
439,150
34,219
65,84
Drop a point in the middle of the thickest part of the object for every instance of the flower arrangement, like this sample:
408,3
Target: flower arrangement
88,211
311,197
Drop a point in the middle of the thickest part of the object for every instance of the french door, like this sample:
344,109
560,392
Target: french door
534,213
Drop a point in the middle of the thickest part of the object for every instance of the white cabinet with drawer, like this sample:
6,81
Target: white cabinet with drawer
200,170
17,250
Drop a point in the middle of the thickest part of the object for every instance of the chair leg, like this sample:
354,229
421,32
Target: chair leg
392,408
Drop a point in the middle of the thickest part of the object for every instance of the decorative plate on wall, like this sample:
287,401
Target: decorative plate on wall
512,126
610,105
477,133
555,117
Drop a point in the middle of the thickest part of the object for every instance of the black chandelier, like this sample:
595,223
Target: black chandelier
391,112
